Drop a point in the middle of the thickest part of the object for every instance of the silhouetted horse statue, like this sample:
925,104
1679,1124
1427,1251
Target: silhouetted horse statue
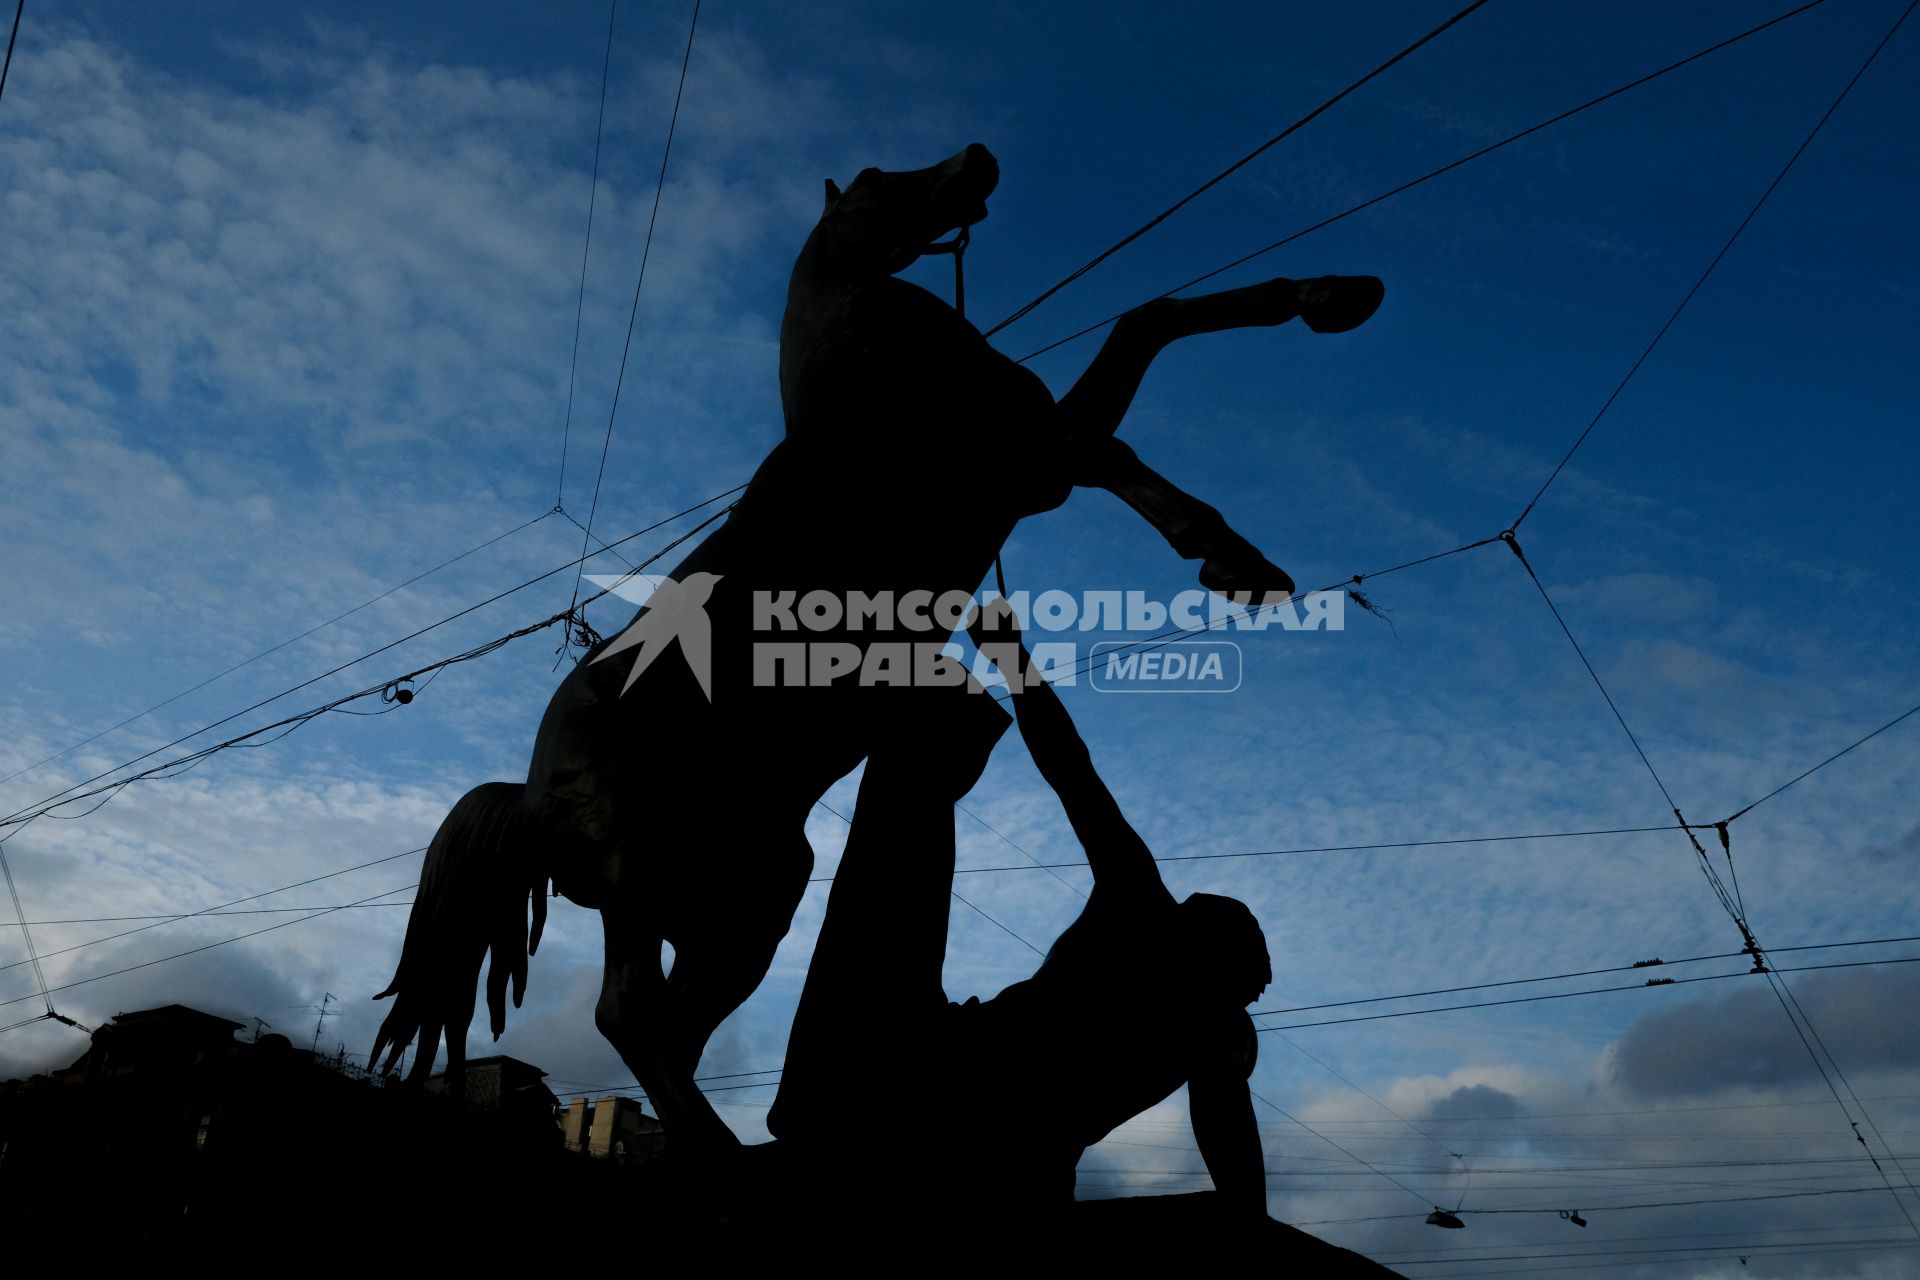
677,807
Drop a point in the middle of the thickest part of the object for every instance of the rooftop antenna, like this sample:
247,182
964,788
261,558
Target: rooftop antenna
319,1022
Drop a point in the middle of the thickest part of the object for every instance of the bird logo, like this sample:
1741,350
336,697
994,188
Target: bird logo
675,610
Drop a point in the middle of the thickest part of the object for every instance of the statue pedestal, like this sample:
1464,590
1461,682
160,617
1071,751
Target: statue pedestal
766,1204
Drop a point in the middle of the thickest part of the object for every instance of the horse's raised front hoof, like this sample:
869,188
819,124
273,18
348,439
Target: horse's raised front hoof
1335,304
1246,577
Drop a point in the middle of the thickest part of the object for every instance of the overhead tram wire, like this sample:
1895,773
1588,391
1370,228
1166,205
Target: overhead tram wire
181,955
174,917
633,313
220,909
1006,840
12,35
1429,176
1591,991
1857,742
1350,585
1641,966
1730,902
1327,848
1367,1164
66,795
1790,1005
602,542
1662,1204
955,892
26,933
289,724
272,649
1724,250
580,299
73,793
1337,1075
1742,1251
20,8
1237,165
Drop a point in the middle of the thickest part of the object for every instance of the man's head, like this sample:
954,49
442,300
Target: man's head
1225,946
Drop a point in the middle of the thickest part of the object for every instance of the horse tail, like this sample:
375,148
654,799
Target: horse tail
482,870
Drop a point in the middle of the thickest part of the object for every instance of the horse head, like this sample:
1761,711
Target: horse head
883,221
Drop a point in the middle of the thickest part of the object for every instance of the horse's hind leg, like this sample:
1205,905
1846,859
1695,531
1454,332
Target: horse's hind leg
1099,400
635,1014
723,944
719,958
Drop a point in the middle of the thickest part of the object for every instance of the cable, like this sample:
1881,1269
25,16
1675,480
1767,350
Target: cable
1776,983
1162,639
1594,991
1071,886
1389,1110
1653,1111
580,301
276,648
1706,864
16,818
1824,763
1724,249
1428,177
27,1022
222,908
20,913
1672,1235
568,517
1252,1092
1644,965
1663,1204
1243,161
1788,997
956,894
171,917
1331,848
1835,1247
19,8
1590,1266
646,250
1730,903
1514,544
181,764
181,955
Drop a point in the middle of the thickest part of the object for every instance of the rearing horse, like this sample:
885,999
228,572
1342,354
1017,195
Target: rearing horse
677,807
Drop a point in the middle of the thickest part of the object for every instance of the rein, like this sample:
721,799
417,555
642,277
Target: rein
958,248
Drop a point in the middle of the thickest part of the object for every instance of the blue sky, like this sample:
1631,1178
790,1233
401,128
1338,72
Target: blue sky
291,302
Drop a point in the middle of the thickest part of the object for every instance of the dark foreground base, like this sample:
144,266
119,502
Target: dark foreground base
398,1177
769,1204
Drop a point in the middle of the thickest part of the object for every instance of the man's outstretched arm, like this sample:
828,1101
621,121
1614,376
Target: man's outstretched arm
1120,859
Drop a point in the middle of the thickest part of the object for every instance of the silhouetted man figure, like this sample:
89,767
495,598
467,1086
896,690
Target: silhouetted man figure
1140,995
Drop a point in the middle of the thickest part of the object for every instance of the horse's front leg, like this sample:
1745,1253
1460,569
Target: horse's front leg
1099,400
1230,564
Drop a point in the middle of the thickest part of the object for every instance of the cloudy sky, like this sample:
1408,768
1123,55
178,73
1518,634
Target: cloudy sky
290,307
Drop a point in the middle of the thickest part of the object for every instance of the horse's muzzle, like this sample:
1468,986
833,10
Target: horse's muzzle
965,181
